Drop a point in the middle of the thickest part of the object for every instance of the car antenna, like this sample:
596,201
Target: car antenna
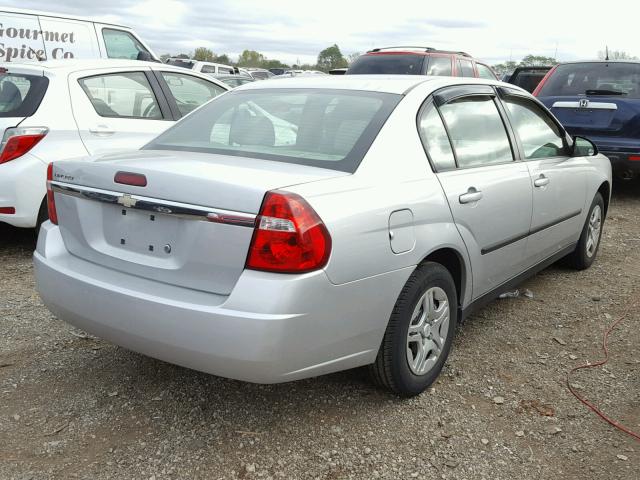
606,49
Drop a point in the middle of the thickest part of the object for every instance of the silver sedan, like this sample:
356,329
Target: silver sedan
286,231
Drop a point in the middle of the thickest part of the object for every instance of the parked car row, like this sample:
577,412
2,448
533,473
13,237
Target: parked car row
340,221
74,108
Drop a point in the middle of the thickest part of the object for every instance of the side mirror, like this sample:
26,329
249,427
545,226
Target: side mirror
583,147
145,57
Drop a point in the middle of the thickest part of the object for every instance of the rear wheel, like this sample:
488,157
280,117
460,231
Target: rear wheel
587,248
420,332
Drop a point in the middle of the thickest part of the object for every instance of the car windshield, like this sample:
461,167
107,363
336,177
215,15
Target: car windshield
20,95
318,127
387,63
594,78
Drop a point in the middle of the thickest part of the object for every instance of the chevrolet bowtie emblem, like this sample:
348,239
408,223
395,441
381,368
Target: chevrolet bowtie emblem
127,200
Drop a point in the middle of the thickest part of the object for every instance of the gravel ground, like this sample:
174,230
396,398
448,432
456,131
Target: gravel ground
73,407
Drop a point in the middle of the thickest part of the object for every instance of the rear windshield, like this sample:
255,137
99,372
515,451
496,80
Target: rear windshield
322,128
181,63
391,63
601,78
20,95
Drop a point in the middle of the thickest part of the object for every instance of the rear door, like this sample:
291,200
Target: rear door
18,43
598,100
558,180
118,109
489,193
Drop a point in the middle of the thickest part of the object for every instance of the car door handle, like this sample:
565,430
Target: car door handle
541,181
471,196
101,130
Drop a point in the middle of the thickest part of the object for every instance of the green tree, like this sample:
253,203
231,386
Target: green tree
251,58
224,58
330,58
537,60
616,55
506,67
352,57
203,54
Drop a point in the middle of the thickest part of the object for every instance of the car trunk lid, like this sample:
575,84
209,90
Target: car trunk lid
190,226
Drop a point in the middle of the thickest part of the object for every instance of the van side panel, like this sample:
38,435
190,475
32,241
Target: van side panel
66,39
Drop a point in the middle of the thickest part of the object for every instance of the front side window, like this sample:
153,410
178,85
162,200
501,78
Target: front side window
485,72
477,132
440,66
190,92
126,95
121,44
539,135
466,68
435,139
324,128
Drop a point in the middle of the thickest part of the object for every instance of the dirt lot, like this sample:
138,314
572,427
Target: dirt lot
73,407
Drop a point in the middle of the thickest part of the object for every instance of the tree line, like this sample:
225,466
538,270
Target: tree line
328,59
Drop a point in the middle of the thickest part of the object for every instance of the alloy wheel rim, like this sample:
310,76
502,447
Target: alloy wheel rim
593,231
428,330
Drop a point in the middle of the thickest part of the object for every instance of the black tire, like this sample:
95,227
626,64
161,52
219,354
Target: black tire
43,215
579,258
391,369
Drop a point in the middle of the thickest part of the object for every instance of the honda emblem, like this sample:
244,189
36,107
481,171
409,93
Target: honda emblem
584,103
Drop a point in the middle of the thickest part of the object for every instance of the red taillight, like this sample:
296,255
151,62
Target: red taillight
129,178
18,141
7,210
543,81
289,237
51,201
634,158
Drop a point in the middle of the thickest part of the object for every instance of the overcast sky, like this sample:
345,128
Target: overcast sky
292,30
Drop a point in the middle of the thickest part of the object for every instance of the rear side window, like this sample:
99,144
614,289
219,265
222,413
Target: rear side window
465,68
594,78
485,72
190,92
126,95
435,139
121,44
323,128
477,132
390,63
208,69
20,95
539,135
440,66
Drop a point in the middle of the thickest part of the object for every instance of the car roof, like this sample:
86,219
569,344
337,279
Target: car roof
414,51
598,61
70,65
43,13
397,84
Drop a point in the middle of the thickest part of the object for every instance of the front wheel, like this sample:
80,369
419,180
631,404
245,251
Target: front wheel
420,332
587,248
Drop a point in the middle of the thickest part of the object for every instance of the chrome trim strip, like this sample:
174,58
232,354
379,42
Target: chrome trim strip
163,207
590,106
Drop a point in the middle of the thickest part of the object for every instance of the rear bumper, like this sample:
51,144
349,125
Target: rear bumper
620,162
23,187
272,328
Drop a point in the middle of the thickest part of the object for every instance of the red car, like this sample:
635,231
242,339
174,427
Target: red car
419,61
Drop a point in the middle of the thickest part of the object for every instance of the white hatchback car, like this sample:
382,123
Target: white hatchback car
68,109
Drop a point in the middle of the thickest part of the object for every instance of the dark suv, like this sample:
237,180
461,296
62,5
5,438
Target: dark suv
419,61
599,100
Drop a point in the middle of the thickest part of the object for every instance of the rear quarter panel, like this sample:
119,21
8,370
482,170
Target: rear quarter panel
394,175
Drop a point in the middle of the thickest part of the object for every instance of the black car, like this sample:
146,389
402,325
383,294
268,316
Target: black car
527,77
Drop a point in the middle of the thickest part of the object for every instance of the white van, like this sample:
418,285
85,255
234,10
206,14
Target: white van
202,67
32,36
